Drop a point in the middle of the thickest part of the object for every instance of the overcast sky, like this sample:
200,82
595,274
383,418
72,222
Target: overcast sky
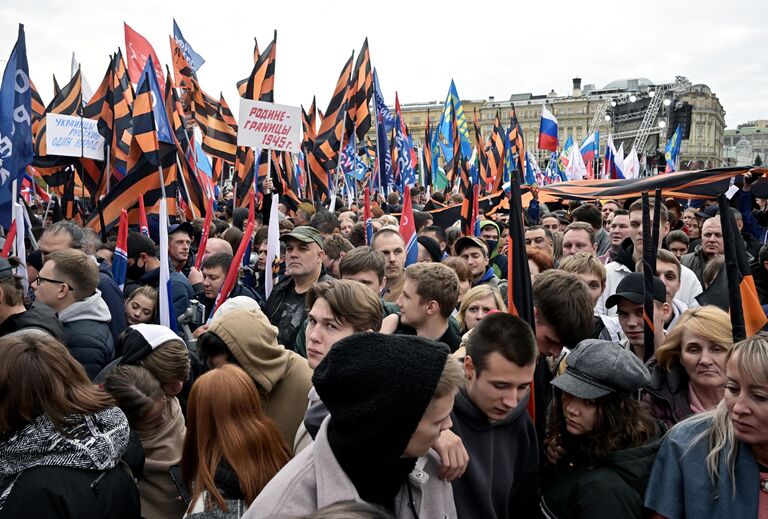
489,48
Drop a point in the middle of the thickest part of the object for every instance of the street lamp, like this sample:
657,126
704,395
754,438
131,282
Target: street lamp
667,101
651,93
607,117
632,98
662,123
613,103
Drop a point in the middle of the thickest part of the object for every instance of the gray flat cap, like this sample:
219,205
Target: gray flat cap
596,368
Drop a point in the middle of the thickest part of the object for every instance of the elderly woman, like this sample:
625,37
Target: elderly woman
715,464
688,370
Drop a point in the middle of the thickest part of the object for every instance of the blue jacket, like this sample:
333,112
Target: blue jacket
680,485
112,295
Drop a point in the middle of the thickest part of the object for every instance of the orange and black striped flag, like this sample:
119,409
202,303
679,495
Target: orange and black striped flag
452,169
99,108
68,101
125,195
183,72
482,155
202,104
260,85
517,141
427,164
189,184
328,142
122,108
362,90
747,315
226,113
495,155
255,49
38,108
219,138
145,150
309,125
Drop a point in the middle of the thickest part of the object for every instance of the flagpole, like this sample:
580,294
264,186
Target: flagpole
184,182
378,151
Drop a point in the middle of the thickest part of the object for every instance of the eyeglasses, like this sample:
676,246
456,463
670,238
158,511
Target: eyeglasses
53,281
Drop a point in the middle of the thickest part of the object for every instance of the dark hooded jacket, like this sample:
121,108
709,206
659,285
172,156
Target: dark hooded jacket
113,296
89,339
501,478
614,487
39,316
666,397
497,260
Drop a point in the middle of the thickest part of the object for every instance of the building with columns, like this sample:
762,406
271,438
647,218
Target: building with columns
624,108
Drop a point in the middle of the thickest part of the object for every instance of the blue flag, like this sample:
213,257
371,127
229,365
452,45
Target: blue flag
385,122
194,59
163,127
672,149
15,126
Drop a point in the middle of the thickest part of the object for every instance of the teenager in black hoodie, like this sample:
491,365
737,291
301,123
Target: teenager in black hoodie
491,417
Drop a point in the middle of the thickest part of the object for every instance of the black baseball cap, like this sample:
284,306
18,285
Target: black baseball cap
632,288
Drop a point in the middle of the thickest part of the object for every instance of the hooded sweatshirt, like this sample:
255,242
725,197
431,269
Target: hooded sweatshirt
501,478
611,488
282,376
497,261
89,338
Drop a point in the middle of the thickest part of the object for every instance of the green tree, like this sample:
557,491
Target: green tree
758,160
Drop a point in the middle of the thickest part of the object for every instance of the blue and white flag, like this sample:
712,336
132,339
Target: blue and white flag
167,314
15,126
163,127
194,59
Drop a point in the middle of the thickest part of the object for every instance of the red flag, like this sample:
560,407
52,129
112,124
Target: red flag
137,50
368,217
234,268
10,239
143,224
204,236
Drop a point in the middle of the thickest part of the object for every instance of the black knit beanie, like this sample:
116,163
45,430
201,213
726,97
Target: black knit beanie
377,388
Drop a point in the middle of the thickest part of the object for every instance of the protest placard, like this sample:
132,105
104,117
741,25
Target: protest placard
73,136
269,126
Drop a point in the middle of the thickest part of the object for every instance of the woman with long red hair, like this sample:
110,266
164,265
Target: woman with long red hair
232,449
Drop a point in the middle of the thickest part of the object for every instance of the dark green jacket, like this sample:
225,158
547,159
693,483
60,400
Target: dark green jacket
613,488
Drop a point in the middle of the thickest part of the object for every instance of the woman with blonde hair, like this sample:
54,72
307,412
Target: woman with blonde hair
141,305
232,448
688,370
476,303
715,464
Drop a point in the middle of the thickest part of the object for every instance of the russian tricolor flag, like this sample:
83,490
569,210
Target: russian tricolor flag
120,261
547,130
408,230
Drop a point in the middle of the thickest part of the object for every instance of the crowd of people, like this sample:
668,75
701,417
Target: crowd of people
356,386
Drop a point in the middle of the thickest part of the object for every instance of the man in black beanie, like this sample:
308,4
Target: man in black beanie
390,397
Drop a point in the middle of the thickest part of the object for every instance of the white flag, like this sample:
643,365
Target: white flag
273,245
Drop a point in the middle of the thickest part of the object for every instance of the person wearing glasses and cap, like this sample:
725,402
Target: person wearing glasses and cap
14,315
67,283
602,443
